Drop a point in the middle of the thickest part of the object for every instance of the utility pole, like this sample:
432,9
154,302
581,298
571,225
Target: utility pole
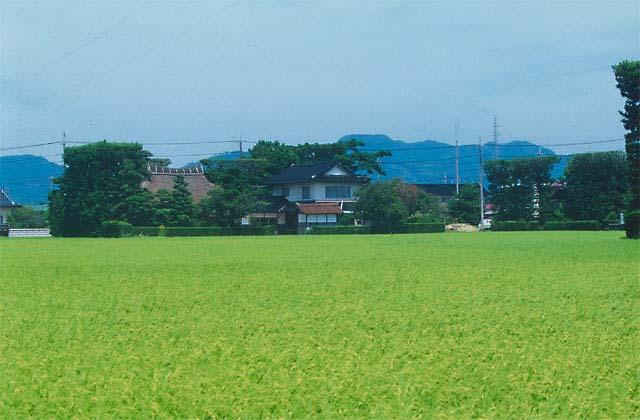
240,144
457,159
496,147
480,180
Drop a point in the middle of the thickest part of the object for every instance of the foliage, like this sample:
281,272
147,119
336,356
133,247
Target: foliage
26,218
521,188
340,230
347,219
421,228
394,326
632,224
465,206
596,185
96,185
115,229
421,207
511,225
381,206
175,207
573,225
627,74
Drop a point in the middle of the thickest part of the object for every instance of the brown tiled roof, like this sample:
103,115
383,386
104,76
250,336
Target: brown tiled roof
319,208
197,184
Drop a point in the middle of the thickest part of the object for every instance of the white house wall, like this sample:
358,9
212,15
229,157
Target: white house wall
316,189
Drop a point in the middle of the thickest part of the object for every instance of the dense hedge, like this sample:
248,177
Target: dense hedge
574,225
205,231
632,224
508,226
421,228
340,230
362,230
535,225
115,229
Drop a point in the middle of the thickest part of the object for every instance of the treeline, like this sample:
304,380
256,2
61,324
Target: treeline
102,183
595,187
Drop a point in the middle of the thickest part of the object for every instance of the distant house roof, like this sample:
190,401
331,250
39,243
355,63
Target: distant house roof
319,208
275,204
5,201
162,178
313,172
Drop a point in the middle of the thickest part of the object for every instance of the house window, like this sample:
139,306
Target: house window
306,192
337,191
284,191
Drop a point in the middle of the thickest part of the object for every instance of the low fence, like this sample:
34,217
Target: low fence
29,233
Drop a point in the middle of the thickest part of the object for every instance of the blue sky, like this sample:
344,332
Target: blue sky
313,71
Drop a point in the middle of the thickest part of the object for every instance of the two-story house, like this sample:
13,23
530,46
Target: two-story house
321,192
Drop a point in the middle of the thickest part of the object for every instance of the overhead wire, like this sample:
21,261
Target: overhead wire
30,73
129,61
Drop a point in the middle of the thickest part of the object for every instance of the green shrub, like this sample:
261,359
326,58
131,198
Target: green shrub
193,231
340,230
147,231
115,229
573,225
632,224
249,230
216,231
421,228
509,226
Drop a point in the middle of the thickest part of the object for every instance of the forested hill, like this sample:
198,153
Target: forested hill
27,178
432,161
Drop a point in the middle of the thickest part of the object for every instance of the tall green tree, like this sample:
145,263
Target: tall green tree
521,188
627,74
174,207
237,193
97,181
597,184
465,206
381,206
273,157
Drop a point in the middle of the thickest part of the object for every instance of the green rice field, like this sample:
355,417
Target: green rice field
522,324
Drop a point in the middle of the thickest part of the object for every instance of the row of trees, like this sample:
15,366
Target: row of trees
103,182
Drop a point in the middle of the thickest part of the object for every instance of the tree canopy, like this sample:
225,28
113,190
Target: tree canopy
98,181
521,188
627,74
596,185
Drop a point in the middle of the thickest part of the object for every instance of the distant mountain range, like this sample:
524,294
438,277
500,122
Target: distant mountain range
27,178
434,162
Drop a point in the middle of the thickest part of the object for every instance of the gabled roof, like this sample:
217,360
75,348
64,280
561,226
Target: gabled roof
5,201
312,172
319,208
274,204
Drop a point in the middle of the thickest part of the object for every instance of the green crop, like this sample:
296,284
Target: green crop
526,324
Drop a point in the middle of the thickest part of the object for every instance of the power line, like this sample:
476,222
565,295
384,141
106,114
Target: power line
131,60
18,12
29,146
25,75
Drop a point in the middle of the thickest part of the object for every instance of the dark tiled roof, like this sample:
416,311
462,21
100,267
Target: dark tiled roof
161,170
311,172
5,201
275,204
319,208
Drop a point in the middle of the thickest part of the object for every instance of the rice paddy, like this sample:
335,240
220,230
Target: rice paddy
531,324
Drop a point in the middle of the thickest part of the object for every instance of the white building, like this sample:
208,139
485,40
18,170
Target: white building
6,205
321,192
